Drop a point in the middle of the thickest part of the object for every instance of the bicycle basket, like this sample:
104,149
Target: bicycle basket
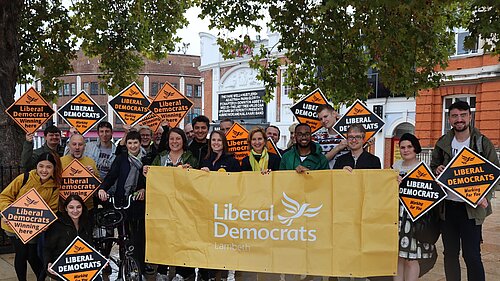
108,219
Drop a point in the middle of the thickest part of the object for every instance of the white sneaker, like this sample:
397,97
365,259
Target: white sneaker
178,278
161,277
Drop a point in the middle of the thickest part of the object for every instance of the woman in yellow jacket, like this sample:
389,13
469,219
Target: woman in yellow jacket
45,179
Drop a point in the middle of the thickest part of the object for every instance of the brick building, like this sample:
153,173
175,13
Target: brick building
179,70
475,78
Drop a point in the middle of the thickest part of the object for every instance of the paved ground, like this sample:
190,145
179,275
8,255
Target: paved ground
490,253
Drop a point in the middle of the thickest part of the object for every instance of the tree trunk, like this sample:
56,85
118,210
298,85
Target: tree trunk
11,136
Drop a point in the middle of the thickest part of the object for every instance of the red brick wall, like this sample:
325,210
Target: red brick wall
387,153
207,76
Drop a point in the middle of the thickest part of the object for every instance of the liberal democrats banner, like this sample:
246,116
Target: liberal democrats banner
327,223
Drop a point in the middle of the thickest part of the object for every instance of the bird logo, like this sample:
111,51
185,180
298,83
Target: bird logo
82,100
420,174
357,111
237,133
30,201
73,171
316,99
133,93
31,99
296,210
78,249
466,159
168,94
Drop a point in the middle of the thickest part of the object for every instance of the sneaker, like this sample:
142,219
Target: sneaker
161,277
177,277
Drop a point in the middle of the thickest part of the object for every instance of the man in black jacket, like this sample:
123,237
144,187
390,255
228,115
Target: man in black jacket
358,158
199,145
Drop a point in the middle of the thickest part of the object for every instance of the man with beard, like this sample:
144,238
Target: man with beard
305,155
461,223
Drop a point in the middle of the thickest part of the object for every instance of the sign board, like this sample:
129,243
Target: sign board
470,176
30,111
419,192
78,180
151,120
82,112
170,105
237,141
358,113
130,105
305,109
271,147
29,215
79,262
242,105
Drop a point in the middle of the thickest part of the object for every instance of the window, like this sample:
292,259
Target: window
86,87
154,89
196,112
66,89
449,101
189,90
94,88
174,85
102,91
73,89
460,49
60,91
197,91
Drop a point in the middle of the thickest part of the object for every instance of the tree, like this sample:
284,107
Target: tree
332,44
39,40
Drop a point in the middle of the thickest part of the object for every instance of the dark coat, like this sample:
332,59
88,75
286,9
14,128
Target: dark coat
60,234
273,163
199,150
226,162
365,161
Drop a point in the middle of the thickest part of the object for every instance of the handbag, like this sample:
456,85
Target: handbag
427,227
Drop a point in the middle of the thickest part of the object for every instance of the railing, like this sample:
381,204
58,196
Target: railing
7,174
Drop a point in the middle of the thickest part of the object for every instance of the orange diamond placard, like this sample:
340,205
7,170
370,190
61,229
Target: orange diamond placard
81,112
79,262
170,105
358,113
271,147
470,176
419,192
130,105
30,111
305,109
78,180
151,120
237,141
29,215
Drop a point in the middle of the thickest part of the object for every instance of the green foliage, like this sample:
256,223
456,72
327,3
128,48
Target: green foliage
332,44
122,32
46,44
484,23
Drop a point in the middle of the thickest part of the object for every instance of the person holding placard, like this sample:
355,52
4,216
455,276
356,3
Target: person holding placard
410,249
52,136
225,125
259,159
357,158
45,179
199,145
461,223
332,144
72,222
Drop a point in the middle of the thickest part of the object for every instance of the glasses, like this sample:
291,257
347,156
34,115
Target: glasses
302,135
358,138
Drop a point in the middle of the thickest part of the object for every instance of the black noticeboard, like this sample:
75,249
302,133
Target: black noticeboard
242,105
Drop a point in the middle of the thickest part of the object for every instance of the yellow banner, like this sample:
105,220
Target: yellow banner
326,223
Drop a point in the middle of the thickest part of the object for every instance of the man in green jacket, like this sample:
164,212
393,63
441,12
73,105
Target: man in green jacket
461,223
305,155
52,136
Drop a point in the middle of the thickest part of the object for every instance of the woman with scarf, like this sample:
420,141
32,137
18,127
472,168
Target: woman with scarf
259,159
125,178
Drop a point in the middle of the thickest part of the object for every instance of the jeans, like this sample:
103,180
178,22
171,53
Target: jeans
458,230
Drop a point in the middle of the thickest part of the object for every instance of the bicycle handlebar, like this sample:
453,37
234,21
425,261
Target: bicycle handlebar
128,201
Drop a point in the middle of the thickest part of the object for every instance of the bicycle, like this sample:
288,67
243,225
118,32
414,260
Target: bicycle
111,219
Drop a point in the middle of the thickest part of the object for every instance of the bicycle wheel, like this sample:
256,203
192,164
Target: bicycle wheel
130,270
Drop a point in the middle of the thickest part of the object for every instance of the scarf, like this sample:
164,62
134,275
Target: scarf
260,165
133,176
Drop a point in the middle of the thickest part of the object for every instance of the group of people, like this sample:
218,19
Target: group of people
123,169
